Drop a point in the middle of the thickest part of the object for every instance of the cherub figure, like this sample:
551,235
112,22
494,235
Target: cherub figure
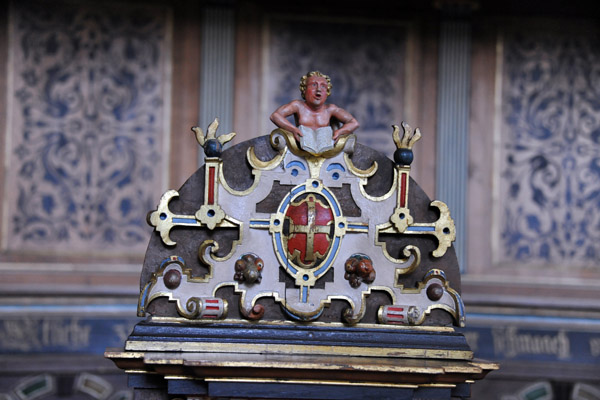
313,113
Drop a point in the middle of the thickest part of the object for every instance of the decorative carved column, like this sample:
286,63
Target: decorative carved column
217,68
453,117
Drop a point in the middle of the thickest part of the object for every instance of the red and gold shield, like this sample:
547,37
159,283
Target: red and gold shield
309,229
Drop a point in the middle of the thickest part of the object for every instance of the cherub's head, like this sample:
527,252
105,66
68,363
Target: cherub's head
304,80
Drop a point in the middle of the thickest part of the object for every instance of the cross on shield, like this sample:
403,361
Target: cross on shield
309,230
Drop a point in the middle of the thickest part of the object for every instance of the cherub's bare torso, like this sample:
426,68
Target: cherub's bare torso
314,112
313,119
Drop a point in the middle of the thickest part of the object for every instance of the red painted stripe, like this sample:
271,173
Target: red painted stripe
212,308
396,316
211,185
403,190
396,308
211,301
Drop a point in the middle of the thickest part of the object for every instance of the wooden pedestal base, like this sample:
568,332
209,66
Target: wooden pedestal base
170,359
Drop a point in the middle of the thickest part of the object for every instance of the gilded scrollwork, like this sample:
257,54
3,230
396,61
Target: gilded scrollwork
306,236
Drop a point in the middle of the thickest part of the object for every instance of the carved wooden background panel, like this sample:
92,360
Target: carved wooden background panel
89,100
548,171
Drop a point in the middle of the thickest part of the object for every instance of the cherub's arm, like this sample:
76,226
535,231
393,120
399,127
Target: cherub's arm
349,123
279,118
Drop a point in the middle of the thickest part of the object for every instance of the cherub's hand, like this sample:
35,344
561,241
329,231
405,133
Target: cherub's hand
337,134
297,134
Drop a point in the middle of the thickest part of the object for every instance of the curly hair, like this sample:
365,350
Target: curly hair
314,73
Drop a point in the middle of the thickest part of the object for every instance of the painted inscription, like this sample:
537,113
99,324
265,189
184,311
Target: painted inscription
511,343
48,334
595,347
556,343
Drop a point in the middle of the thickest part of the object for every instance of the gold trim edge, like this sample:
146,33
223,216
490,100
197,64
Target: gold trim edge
315,382
185,321
290,349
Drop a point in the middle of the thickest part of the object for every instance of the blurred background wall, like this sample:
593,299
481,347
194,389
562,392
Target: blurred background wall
95,115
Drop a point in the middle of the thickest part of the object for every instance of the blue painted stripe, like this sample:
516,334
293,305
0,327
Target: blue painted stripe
169,260
295,164
283,253
298,318
289,197
332,202
421,229
436,272
144,297
184,221
305,294
358,227
298,190
461,307
260,223
335,166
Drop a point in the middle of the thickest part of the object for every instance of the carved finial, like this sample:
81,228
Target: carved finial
408,138
212,144
404,154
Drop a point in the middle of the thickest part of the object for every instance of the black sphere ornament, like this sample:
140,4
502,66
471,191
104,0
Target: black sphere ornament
213,148
172,279
435,292
403,157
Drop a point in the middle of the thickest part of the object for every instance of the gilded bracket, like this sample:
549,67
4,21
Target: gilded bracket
210,214
413,305
401,221
163,220
443,229
174,281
